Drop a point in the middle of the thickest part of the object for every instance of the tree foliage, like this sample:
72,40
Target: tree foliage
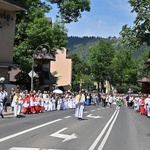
100,58
33,29
140,33
124,67
80,73
70,10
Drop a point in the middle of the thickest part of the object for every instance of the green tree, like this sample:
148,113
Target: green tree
138,34
143,69
33,29
124,69
80,72
100,60
70,10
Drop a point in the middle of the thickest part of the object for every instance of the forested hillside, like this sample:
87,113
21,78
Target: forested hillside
80,45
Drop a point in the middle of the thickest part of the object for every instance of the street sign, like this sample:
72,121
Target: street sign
30,74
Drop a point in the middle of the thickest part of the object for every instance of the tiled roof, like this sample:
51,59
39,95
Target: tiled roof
11,5
145,79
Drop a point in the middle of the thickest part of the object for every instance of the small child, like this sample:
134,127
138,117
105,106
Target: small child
118,103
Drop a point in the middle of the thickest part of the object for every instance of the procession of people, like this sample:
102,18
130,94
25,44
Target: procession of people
34,102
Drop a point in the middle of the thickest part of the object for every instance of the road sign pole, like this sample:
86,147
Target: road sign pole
32,86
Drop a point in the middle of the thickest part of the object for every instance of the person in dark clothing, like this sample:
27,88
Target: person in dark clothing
127,99
11,95
103,98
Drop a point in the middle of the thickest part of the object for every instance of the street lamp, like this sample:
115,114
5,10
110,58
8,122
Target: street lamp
41,51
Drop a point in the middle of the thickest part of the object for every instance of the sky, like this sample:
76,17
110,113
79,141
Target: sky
105,19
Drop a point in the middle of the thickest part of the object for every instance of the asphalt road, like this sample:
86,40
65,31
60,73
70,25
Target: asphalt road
101,129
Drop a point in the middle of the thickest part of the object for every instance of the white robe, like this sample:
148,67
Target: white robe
79,106
17,104
147,102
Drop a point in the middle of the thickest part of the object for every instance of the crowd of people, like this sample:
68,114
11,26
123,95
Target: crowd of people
140,103
34,102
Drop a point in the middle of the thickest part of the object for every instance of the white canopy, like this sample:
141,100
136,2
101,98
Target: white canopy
58,91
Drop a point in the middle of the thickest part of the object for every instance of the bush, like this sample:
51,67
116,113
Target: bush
124,88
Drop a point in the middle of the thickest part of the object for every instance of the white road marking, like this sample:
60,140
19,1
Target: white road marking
64,136
67,117
28,130
25,148
102,132
85,112
92,110
108,133
95,117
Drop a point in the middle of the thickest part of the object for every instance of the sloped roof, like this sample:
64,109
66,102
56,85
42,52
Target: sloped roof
10,5
147,61
145,79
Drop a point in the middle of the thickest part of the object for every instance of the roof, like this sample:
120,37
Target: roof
10,5
8,65
145,79
147,61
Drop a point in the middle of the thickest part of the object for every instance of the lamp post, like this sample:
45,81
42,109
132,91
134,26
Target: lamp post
39,52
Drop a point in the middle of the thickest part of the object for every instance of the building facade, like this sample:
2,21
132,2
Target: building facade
63,66
8,11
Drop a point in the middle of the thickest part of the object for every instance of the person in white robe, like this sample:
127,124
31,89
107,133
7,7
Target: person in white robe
147,103
79,100
46,104
53,103
17,104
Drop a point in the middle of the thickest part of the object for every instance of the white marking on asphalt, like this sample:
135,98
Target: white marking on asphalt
92,110
25,148
102,132
64,136
28,130
98,109
67,117
85,112
95,117
108,133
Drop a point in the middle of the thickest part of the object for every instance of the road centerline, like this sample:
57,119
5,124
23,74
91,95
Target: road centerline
102,132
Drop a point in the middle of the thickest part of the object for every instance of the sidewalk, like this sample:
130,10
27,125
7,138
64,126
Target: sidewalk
9,111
